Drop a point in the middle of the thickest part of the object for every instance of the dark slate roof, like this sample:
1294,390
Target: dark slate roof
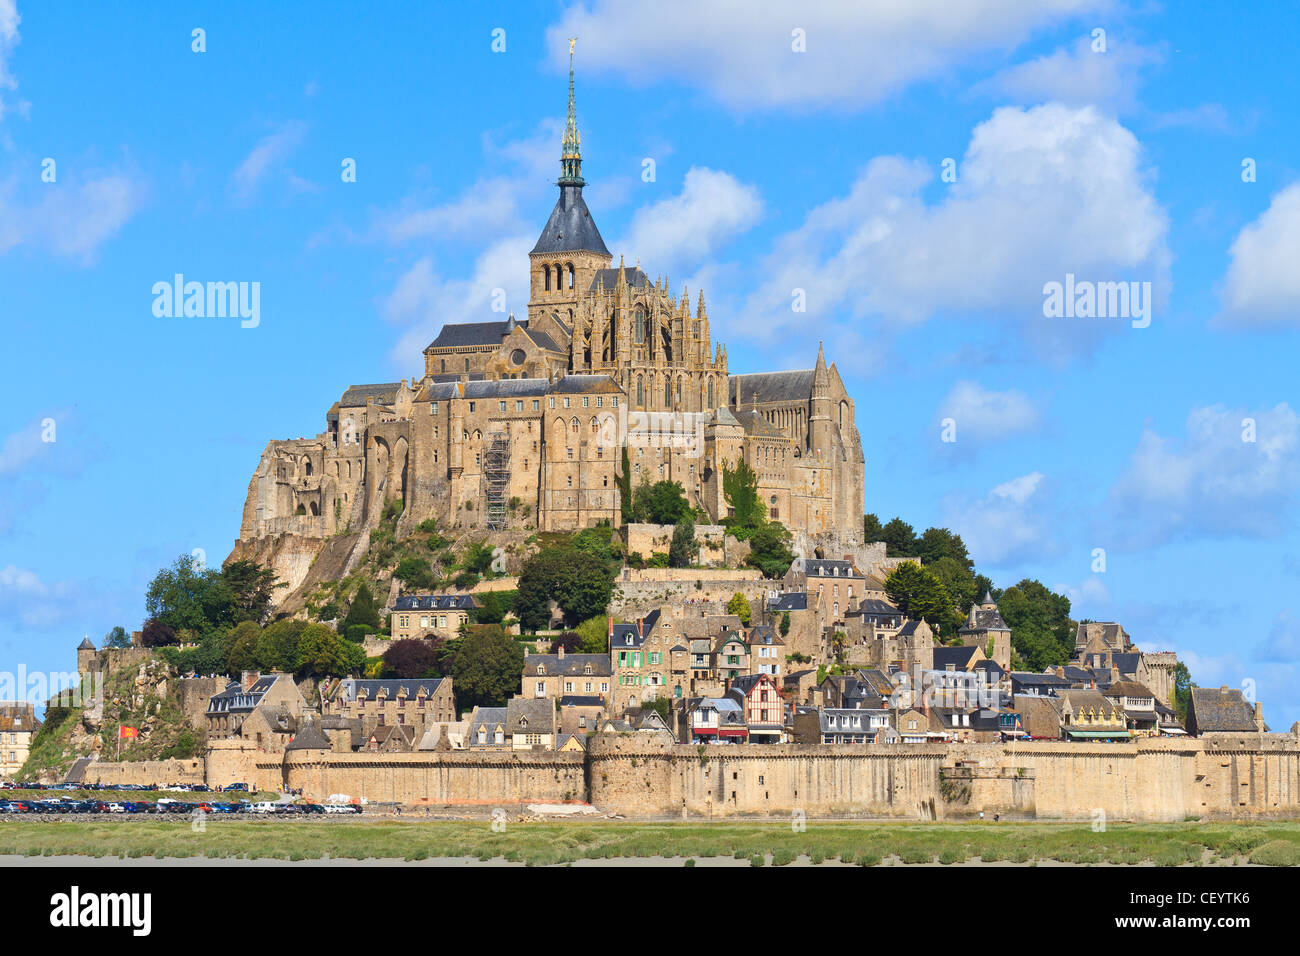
875,606
391,689
792,601
959,657
521,387
755,424
770,387
435,602
309,738
1214,709
358,394
544,341
764,634
570,226
530,714
465,334
829,568
85,644
986,620
581,700
608,279
1126,663
234,699
571,665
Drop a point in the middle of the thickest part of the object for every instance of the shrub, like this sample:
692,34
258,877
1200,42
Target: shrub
1277,853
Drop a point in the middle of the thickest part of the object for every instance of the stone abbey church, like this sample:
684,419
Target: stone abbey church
530,421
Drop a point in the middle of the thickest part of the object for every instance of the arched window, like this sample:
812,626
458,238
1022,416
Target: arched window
569,266
668,393
638,325
710,405
640,391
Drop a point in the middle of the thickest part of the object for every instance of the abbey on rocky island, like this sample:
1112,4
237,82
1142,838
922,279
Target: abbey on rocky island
532,422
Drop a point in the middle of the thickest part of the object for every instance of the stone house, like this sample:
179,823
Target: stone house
18,724
228,710
1223,710
985,629
1139,706
1090,715
837,725
393,702
430,615
531,723
580,714
559,674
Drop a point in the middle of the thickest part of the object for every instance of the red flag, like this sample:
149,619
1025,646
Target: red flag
127,733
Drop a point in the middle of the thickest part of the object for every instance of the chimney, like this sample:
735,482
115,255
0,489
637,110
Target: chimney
247,679
560,651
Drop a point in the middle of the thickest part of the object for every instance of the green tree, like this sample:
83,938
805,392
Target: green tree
594,633
363,612
769,549
921,595
957,579
277,647
252,588
666,503
785,623
117,637
493,606
899,538
871,529
487,667
184,597
241,647
412,658
684,548
1041,630
580,584
1182,690
415,573
745,508
478,558
739,606
624,481
322,653
936,543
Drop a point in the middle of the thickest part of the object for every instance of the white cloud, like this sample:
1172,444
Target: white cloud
29,602
1008,525
9,20
856,53
1262,287
682,231
71,219
987,415
1077,76
1090,599
266,157
22,447
1212,482
882,251
423,301
487,209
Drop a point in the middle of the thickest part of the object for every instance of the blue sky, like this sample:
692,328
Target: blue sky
774,169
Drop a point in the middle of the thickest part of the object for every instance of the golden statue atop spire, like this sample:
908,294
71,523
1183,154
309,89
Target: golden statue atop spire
572,41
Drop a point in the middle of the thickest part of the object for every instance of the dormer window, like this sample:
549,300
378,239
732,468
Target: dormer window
541,670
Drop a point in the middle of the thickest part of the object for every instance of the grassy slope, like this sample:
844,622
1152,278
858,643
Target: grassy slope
549,843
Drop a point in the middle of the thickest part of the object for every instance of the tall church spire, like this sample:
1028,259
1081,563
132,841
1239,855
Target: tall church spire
571,154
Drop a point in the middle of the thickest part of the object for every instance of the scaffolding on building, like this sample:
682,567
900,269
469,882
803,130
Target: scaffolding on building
496,479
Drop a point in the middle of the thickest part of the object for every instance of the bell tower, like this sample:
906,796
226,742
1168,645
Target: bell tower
570,250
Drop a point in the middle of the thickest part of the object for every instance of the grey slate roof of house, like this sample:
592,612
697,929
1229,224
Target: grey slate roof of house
530,715
1216,710
543,340
310,737
581,700
790,601
769,387
959,657
570,665
358,394
987,620
396,687
570,226
234,699
434,602
85,644
829,568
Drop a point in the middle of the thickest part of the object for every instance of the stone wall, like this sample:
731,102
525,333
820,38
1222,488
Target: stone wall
1250,776
439,779
145,771
638,592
